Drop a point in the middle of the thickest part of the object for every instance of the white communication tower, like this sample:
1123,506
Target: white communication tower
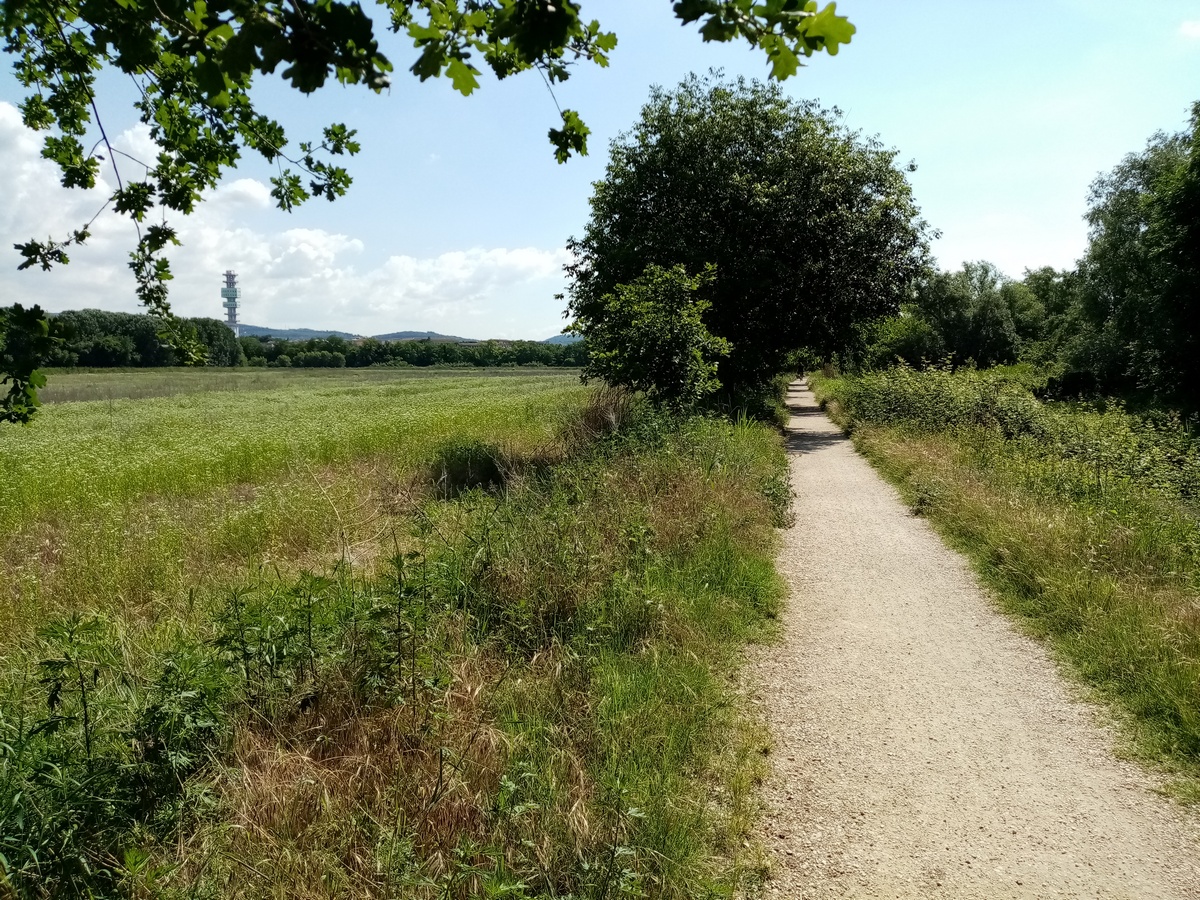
232,293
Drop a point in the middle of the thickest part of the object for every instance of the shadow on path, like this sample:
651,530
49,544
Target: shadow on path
811,441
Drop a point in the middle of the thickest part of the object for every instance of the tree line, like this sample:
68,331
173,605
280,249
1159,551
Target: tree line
337,352
99,339
1125,320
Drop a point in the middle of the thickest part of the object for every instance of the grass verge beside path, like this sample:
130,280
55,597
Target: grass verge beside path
533,699
1083,520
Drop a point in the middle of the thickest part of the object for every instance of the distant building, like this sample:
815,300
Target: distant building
232,293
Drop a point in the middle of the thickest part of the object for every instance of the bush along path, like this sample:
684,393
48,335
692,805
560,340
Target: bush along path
923,746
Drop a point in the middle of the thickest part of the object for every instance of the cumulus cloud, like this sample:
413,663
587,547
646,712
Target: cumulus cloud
1191,29
291,277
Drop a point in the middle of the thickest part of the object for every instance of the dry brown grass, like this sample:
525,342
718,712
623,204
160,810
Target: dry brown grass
311,797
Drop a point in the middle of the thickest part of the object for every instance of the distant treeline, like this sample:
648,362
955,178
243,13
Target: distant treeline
96,338
100,339
336,352
1125,320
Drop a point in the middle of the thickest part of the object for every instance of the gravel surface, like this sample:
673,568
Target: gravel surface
923,746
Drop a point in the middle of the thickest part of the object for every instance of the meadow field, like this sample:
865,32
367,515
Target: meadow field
1083,517
82,384
378,634
125,502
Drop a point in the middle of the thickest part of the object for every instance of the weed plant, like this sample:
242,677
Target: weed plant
1084,517
531,698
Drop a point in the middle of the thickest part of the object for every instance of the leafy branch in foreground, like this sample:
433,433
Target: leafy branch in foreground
26,339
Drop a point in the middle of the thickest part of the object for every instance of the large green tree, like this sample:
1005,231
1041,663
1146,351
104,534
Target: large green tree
194,62
970,310
1140,301
812,227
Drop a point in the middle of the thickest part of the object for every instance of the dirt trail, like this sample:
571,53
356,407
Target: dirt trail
924,747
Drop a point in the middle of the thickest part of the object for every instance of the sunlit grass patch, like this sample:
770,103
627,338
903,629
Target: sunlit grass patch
139,505
80,457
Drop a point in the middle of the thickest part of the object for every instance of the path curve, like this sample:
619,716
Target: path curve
924,748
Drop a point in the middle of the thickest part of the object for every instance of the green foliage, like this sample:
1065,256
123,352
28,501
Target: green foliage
319,359
1125,323
101,339
96,339
980,317
652,338
970,311
1139,309
812,227
1156,451
98,754
26,339
221,347
908,338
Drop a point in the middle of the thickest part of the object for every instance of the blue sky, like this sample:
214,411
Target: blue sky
459,215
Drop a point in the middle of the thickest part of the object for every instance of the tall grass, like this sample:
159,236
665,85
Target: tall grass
529,698
81,456
133,504
1083,517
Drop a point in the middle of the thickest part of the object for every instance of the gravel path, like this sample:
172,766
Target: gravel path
923,747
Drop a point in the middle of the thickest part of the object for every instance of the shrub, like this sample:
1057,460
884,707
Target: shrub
651,337
460,465
1157,450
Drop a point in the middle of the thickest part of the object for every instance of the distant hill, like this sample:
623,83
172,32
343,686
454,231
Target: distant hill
304,334
421,336
293,334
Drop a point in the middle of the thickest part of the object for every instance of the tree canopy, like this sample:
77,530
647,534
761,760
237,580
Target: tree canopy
1125,321
193,63
1139,302
811,227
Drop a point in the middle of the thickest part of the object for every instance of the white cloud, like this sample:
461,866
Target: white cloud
1190,29
295,277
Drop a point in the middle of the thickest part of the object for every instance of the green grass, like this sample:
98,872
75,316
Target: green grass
83,384
84,455
1083,518
132,503
524,690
